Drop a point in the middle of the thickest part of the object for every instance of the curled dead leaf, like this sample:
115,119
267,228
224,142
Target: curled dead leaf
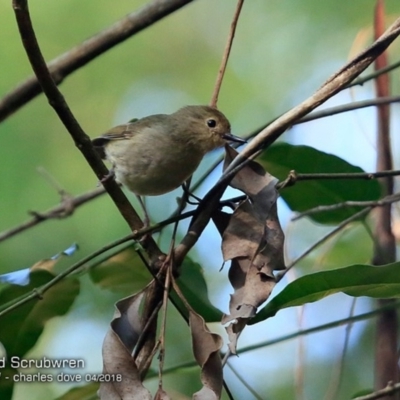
253,239
125,331
206,347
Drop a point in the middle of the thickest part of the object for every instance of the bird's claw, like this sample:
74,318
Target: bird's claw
105,178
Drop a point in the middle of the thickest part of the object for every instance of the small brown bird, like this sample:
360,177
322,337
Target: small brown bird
156,154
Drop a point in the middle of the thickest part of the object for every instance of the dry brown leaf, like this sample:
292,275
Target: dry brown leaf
253,240
206,347
118,345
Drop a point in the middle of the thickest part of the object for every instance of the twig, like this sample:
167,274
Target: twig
65,210
225,57
39,292
272,132
373,75
81,140
332,86
291,336
52,181
244,383
314,116
336,380
356,105
91,48
327,112
323,327
377,203
388,390
295,176
62,210
300,360
163,329
361,213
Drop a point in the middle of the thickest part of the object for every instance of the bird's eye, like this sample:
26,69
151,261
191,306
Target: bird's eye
211,123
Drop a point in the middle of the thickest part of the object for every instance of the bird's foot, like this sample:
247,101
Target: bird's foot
110,175
187,195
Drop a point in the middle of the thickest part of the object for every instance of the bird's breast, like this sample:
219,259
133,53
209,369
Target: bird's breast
153,170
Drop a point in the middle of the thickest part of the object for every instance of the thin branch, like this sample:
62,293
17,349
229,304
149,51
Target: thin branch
290,336
346,175
323,327
81,140
377,203
332,86
373,75
225,57
244,383
38,292
272,132
294,176
91,48
347,221
387,391
336,380
356,105
65,209
311,117
163,329
327,112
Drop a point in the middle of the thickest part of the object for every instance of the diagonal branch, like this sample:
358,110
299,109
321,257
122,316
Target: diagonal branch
225,57
272,132
373,203
373,75
82,141
332,86
356,105
82,54
62,210
323,239
390,389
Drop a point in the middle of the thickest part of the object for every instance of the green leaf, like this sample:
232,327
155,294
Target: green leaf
194,287
86,392
22,327
124,272
355,280
281,158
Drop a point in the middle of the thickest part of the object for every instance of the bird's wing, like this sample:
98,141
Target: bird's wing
120,132
126,131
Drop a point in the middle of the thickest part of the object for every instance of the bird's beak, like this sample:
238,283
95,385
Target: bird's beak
233,138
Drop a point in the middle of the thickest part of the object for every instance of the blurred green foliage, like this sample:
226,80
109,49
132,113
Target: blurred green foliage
282,52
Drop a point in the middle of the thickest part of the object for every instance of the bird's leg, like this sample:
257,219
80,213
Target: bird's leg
188,194
111,174
146,220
